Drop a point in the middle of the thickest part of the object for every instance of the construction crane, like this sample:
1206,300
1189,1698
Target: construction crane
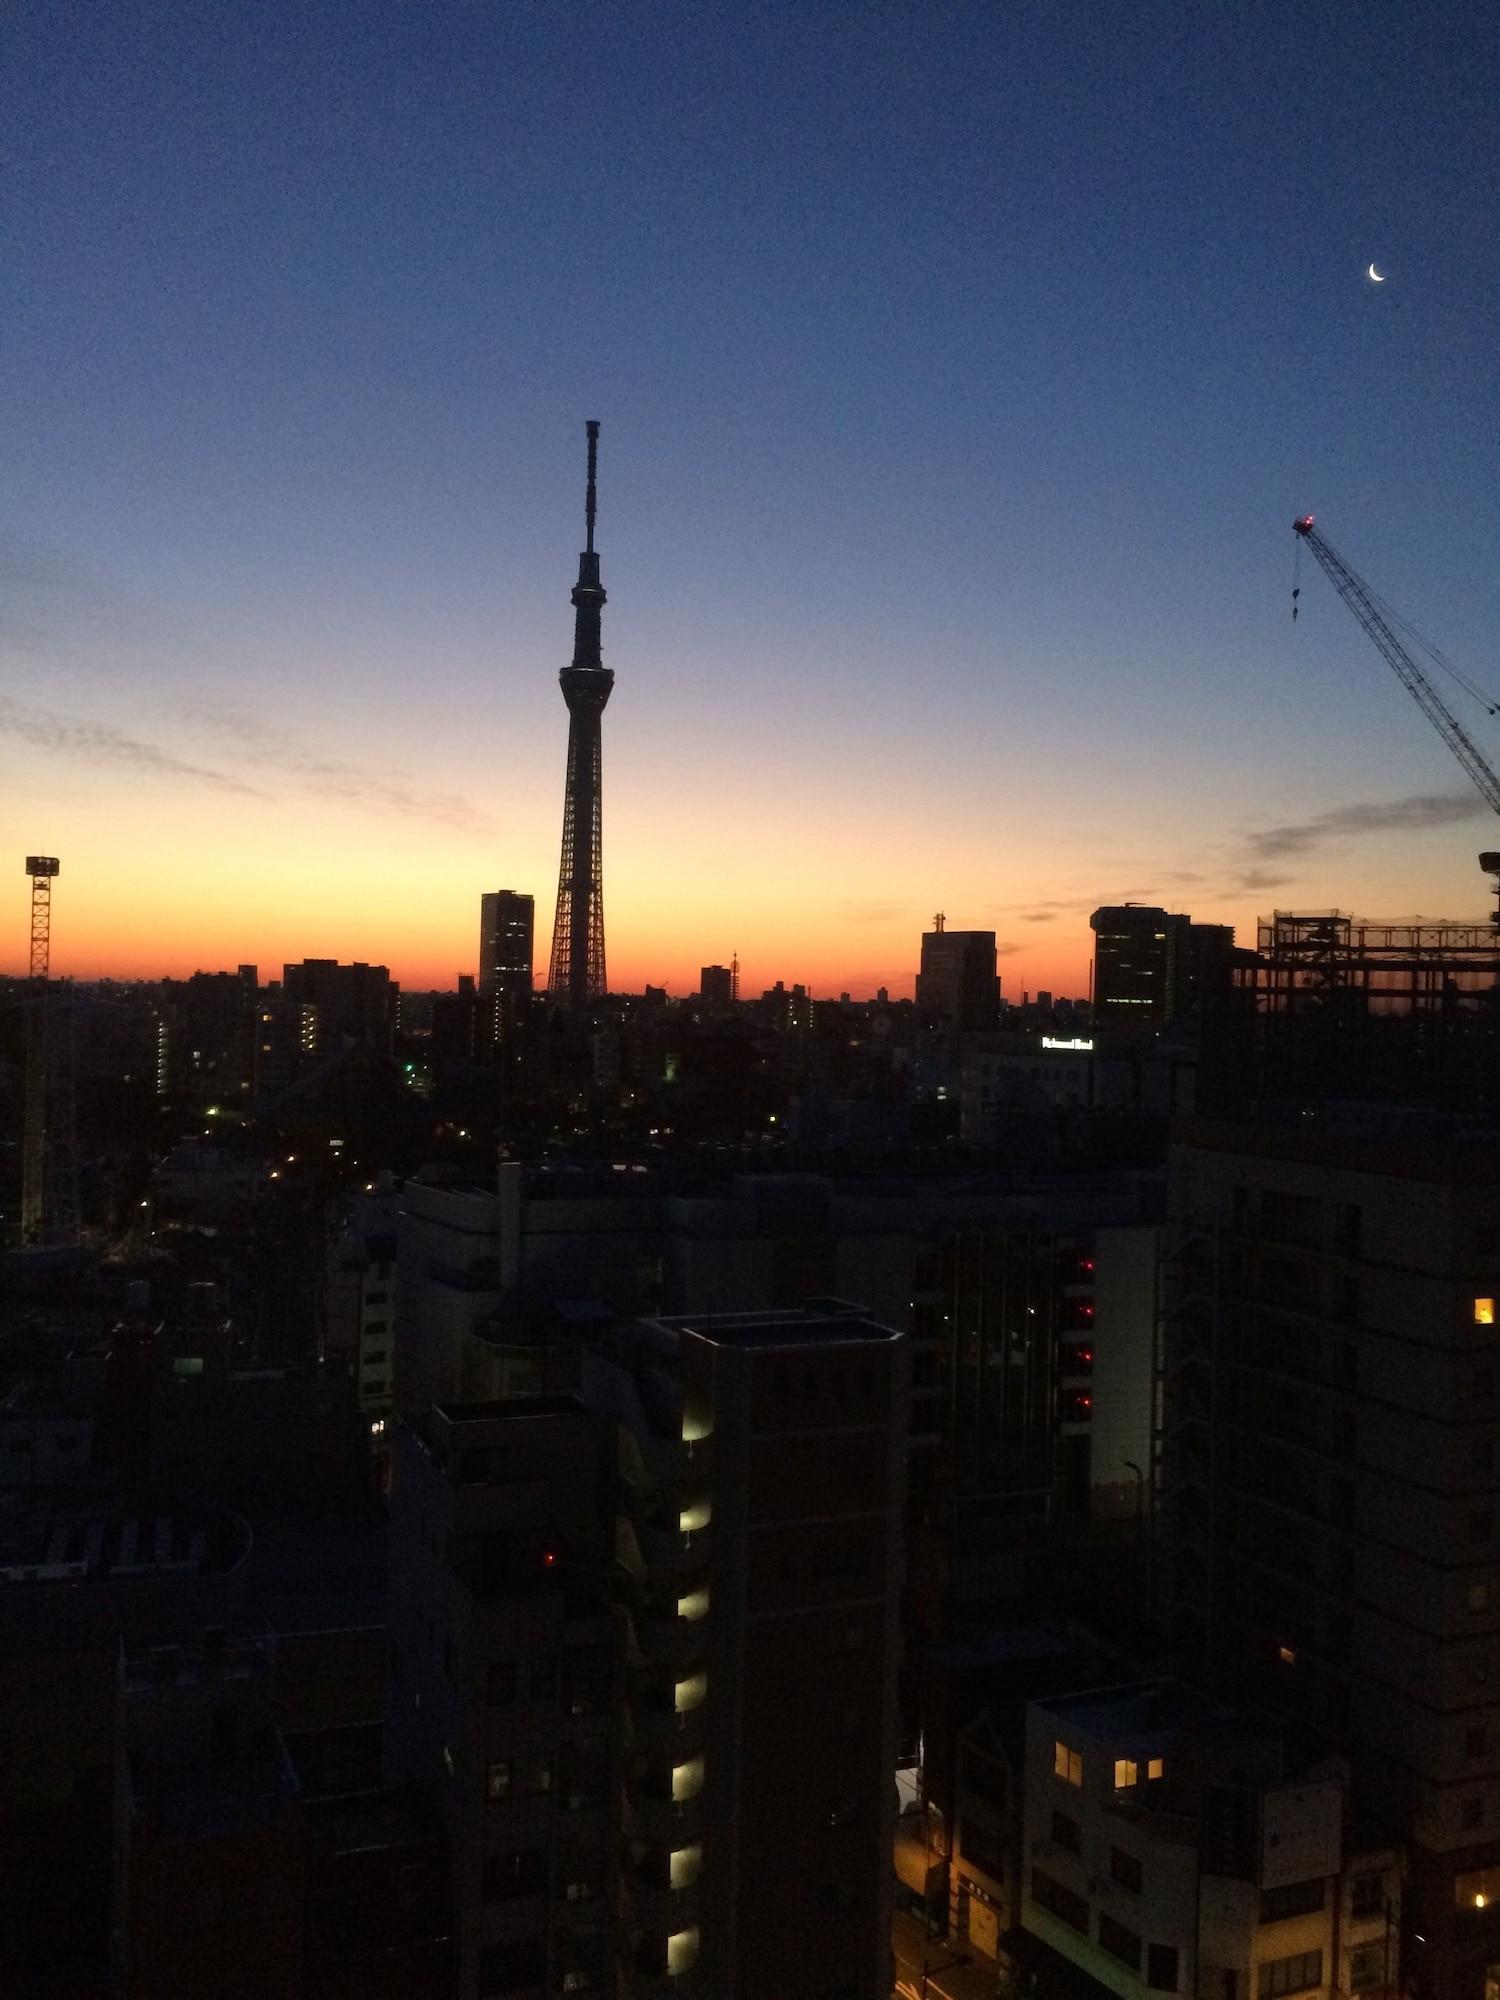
1376,620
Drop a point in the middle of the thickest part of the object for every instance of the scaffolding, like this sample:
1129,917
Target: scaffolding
1390,968
1403,1011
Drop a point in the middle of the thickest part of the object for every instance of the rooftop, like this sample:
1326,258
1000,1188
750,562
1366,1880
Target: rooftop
1145,1709
820,1323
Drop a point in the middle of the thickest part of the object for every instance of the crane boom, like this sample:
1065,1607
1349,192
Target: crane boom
1356,595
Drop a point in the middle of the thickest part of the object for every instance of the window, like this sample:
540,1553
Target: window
1477,1890
539,1777
1154,1769
1119,1942
497,1779
521,1872
500,1683
1290,1975
1127,1773
1055,1897
1479,1597
1161,1969
1367,1895
1067,1764
1484,1312
1292,1899
1366,1967
513,1966
1126,1869
1067,1833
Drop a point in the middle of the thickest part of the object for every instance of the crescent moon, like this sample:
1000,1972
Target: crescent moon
1375,276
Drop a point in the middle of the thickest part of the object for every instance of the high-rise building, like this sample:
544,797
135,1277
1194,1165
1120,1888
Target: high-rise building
1154,965
577,972
500,1682
355,1004
957,983
716,989
620,1619
507,921
1331,1487
764,1459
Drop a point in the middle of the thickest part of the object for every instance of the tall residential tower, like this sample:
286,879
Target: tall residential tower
577,972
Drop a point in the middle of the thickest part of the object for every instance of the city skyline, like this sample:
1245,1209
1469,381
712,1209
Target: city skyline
956,584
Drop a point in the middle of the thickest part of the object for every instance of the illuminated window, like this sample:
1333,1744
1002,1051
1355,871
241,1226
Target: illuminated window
1154,1768
687,1779
685,1866
690,1693
682,1950
1478,1890
497,1780
1287,1655
1484,1312
1127,1772
1067,1764
694,1605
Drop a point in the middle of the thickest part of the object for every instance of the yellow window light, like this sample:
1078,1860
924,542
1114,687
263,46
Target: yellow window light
1484,1312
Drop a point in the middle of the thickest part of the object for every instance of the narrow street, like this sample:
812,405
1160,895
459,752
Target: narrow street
952,1969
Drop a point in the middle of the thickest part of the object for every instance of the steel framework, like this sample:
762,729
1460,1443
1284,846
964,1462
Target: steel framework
42,869
577,973
1391,968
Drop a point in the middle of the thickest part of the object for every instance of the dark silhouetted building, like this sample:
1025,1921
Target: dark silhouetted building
716,989
1155,965
355,1003
507,939
957,984
1331,1487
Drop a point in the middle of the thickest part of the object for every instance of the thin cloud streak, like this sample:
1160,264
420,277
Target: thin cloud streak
272,749
1268,853
1406,815
101,743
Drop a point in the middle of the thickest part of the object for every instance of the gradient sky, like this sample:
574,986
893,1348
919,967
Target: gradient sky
961,368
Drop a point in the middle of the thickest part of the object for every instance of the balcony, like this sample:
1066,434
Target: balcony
669,1639
668,1732
662,1821
668,1550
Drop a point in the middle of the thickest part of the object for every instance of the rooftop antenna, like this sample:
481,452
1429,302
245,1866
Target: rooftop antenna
938,922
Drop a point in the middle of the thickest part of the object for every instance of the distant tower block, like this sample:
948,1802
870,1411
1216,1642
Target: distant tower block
42,868
577,971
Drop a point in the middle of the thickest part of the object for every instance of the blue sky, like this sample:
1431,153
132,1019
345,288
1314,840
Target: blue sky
961,369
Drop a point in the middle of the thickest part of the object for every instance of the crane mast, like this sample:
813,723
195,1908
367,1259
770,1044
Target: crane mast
1356,594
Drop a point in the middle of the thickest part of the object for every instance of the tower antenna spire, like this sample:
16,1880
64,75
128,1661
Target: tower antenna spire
592,427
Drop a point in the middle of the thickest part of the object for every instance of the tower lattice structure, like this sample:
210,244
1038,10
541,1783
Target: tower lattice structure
577,970
48,1201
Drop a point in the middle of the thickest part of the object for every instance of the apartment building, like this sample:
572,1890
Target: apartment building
1168,1849
1331,1488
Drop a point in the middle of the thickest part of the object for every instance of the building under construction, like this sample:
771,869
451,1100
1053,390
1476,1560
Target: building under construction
1349,1007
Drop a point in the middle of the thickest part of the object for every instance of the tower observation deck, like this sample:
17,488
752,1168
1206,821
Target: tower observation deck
577,971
